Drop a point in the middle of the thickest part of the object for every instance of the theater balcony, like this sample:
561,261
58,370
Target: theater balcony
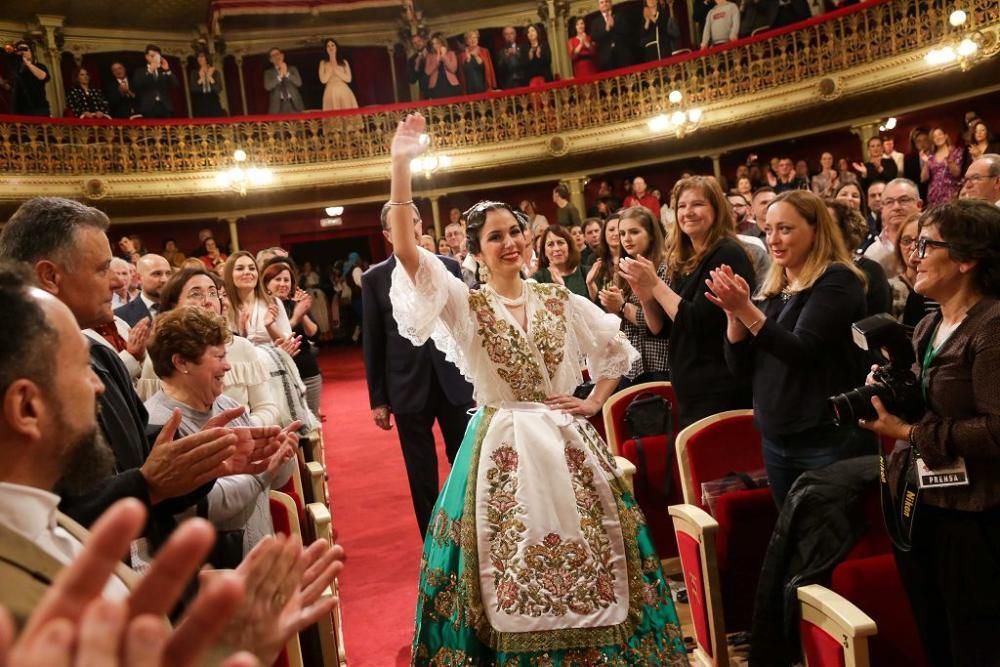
846,69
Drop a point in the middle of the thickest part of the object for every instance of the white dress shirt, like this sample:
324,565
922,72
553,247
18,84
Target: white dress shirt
31,513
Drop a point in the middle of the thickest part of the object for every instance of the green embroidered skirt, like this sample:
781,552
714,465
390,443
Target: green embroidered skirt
477,568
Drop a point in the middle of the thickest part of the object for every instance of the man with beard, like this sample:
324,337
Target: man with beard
154,272
66,245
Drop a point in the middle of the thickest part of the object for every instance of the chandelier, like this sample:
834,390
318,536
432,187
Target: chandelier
961,45
675,118
429,162
240,177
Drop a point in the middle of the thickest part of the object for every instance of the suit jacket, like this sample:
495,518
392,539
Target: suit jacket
148,87
512,69
121,106
133,311
615,47
399,373
286,90
27,570
417,73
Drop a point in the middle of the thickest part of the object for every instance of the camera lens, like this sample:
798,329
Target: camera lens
853,405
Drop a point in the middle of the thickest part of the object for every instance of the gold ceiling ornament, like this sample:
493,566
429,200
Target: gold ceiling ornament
411,22
830,88
962,44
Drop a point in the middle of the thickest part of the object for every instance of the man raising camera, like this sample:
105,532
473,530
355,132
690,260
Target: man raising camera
945,472
27,81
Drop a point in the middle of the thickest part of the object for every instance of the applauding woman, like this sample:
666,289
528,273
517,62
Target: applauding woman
795,342
253,313
949,571
677,308
559,261
533,486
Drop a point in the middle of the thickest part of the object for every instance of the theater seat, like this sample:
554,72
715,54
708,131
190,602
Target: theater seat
285,520
710,449
696,532
834,632
324,642
873,586
614,410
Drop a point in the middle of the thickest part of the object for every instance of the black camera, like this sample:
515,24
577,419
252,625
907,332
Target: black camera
896,385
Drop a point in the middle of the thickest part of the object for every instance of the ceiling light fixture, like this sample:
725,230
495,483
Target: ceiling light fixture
240,178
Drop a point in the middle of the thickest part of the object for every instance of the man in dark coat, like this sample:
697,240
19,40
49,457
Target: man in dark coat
416,384
616,41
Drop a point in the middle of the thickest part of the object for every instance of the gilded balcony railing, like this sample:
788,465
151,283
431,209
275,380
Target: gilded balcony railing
865,34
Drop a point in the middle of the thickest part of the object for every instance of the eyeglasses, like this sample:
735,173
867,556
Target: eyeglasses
907,241
902,201
975,178
923,244
198,295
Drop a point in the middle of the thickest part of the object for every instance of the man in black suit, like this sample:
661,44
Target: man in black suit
152,85
416,64
66,245
616,42
511,62
121,97
154,272
417,384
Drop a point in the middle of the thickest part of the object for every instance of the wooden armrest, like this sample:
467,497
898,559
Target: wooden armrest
321,521
848,618
317,482
695,516
628,472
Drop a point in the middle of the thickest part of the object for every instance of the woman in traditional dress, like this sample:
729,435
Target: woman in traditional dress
537,554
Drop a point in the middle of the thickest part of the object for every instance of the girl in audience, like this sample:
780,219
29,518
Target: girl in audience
582,50
246,381
538,68
188,353
255,315
603,273
335,74
949,570
533,485
795,341
908,305
942,169
559,262
676,308
660,32
853,230
280,281
477,66
641,236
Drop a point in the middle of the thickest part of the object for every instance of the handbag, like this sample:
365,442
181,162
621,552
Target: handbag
649,415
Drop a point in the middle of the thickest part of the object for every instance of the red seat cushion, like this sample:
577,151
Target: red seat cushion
730,445
619,407
820,649
690,553
875,540
649,491
873,585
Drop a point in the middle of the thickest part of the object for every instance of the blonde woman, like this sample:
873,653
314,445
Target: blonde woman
794,340
253,313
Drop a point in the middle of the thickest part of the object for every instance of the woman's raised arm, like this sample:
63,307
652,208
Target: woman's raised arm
409,142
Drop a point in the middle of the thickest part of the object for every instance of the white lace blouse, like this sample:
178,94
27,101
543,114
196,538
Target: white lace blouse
504,363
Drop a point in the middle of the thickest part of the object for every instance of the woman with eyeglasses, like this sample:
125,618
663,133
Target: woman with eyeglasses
246,381
946,466
908,305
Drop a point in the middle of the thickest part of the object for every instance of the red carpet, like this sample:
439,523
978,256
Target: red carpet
373,516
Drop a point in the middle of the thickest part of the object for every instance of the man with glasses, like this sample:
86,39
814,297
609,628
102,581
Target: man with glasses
900,201
982,179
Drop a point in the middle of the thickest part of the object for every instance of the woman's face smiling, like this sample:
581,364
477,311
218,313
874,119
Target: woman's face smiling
789,237
501,243
245,273
556,250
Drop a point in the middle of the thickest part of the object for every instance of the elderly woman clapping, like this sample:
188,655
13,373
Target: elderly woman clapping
188,352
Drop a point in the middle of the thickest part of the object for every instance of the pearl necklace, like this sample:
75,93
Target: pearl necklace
510,303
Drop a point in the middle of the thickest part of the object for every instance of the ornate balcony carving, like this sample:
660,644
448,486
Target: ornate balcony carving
811,59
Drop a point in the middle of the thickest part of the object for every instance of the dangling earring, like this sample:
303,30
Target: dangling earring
484,273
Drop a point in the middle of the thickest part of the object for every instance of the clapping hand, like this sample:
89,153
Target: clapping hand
612,299
292,344
640,274
729,291
138,337
860,168
408,142
595,271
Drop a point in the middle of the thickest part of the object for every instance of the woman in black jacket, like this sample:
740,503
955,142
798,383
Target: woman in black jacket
677,308
795,342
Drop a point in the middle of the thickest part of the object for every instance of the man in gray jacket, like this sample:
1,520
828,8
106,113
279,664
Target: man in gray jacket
282,83
722,24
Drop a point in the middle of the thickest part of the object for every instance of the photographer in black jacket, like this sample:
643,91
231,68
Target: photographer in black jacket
27,79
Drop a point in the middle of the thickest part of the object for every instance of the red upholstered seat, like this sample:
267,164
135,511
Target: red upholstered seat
715,447
875,540
873,585
819,648
691,563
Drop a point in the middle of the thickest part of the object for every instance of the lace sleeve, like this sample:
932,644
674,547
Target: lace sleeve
599,335
435,306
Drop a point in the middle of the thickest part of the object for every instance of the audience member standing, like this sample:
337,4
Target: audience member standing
442,69
878,293
253,313
660,33
582,52
722,24
416,384
913,161
826,182
477,66
878,168
154,272
889,150
982,179
28,79
213,259
121,98
614,37
900,202
642,197
282,82
559,262
416,63
539,64
153,85
604,271
335,74
908,305
677,308
944,169
206,83
567,215
84,101
511,61
797,345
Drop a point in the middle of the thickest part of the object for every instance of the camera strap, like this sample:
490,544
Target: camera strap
899,520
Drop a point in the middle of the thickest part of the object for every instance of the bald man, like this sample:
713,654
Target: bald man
154,272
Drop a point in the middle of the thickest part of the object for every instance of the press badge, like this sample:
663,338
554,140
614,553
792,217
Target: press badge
952,475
